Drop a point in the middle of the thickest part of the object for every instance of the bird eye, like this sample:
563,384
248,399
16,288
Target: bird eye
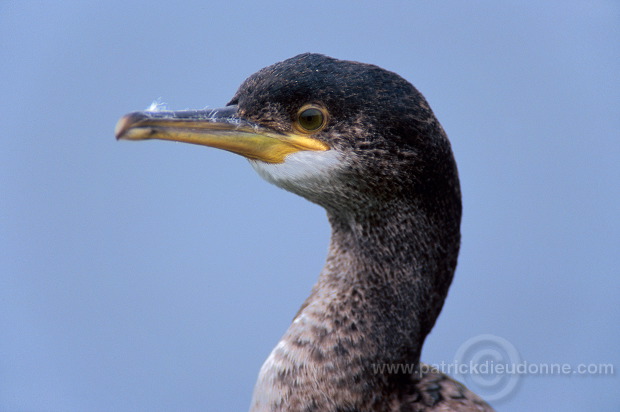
311,119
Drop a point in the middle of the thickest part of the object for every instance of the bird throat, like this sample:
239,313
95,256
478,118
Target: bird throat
375,301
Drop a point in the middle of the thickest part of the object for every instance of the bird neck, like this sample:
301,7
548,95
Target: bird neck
375,301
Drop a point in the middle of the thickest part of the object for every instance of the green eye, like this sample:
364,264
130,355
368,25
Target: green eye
311,119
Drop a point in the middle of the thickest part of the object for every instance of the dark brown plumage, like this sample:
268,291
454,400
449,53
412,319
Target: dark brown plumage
363,143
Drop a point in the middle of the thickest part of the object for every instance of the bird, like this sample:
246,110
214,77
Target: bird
363,143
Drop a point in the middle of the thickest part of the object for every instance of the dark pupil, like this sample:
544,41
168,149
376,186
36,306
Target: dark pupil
311,119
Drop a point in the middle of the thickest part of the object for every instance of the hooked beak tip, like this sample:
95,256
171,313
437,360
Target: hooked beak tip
127,122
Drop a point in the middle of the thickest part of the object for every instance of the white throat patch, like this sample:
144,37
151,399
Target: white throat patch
305,170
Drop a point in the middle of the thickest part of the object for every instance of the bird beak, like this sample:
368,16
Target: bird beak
219,128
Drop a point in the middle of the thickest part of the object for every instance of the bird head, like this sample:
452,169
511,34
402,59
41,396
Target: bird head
342,134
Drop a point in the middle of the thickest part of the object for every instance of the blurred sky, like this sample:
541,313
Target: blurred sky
158,276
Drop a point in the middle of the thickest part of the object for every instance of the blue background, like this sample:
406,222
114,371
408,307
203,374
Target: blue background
158,276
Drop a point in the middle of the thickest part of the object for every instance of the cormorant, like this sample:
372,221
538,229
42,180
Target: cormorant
363,143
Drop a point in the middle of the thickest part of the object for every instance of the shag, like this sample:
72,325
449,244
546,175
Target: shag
364,144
